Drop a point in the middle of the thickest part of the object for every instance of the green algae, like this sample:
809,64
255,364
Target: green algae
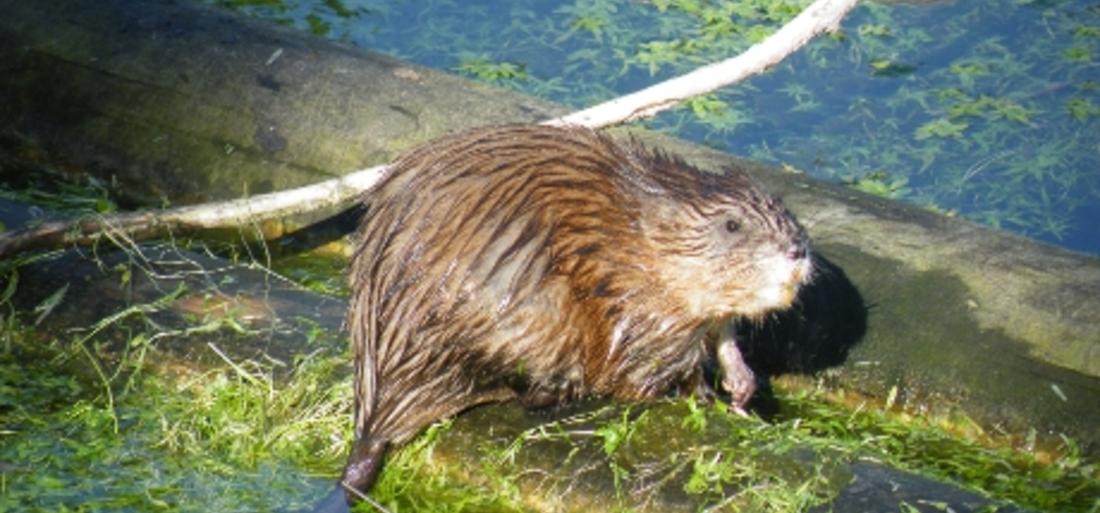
931,447
216,441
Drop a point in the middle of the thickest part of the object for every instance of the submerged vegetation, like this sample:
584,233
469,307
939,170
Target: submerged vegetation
983,108
114,417
220,440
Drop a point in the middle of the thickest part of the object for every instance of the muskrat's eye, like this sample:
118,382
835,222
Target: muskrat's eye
732,226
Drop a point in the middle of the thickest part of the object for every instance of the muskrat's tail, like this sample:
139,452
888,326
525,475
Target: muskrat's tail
359,474
367,453
362,469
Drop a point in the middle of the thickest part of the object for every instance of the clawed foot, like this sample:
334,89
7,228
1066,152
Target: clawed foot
703,392
737,378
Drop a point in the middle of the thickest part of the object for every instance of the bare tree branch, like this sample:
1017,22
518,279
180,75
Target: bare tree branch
821,16
222,214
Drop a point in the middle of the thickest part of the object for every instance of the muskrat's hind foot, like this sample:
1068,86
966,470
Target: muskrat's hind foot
699,387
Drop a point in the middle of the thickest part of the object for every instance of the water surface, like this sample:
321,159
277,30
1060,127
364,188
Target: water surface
986,109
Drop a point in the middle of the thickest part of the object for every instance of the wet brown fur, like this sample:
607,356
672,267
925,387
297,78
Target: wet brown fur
545,264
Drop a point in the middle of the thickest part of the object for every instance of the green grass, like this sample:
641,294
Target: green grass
236,438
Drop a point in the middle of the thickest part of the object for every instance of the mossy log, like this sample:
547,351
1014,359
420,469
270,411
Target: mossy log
182,102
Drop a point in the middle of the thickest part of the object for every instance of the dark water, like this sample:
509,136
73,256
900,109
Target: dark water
985,109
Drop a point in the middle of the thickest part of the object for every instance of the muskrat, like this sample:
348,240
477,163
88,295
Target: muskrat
546,264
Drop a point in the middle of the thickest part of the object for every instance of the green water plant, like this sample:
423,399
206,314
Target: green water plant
212,442
482,68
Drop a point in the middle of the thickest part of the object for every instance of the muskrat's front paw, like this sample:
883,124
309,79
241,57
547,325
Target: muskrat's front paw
737,377
740,385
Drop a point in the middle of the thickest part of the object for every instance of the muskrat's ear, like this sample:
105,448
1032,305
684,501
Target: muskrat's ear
663,217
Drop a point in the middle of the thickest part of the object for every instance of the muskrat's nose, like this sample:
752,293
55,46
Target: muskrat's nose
797,251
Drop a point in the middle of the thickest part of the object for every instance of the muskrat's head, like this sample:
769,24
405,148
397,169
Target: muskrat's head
723,247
